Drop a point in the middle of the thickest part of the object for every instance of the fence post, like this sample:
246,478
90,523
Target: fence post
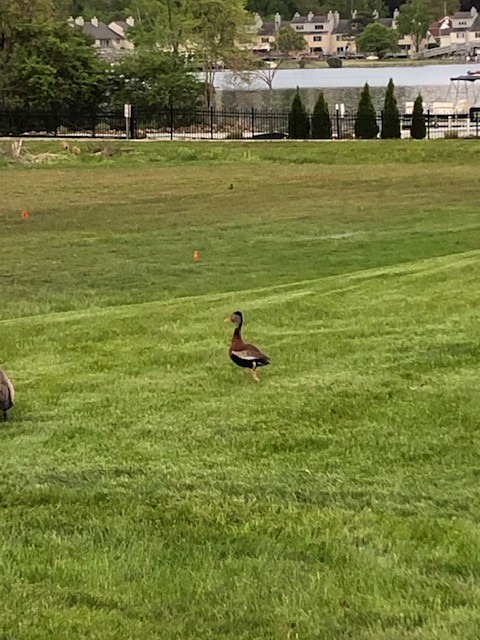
337,118
133,124
253,121
171,122
428,124
211,123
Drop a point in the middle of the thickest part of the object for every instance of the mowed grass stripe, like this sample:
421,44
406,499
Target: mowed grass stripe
152,490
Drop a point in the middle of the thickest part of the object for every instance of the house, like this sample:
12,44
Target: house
110,40
464,30
265,33
438,29
325,35
120,27
405,43
342,40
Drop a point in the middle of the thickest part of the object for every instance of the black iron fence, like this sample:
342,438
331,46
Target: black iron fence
212,124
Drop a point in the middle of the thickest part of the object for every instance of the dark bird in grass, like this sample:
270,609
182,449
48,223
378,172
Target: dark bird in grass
7,393
231,186
243,354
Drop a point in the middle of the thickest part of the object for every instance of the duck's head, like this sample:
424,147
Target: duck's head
236,318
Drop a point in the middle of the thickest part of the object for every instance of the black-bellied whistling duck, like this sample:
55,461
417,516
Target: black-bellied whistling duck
243,354
7,393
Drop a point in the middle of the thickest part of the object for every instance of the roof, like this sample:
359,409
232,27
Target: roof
476,24
122,23
102,32
462,14
343,26
313,20
387,22
267,28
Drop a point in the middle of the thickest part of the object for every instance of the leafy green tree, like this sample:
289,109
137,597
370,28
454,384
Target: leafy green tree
150,77
366,121
442,8
419,129
321,123
166,24
106,10
288,41
378,39
298,120
365,13
52,67
220,29
391,116
414,19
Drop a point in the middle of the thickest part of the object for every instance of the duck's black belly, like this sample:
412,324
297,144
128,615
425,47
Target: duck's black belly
248,364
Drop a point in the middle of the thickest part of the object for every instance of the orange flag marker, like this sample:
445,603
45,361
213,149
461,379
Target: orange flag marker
195,256
24,214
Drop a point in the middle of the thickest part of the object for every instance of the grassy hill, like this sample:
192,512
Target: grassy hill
149,488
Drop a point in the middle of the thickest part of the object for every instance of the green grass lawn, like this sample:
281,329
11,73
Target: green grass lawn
149,488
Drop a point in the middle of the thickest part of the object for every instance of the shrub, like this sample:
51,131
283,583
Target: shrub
334,63
298,120
321,123
391,116
418,130
366,120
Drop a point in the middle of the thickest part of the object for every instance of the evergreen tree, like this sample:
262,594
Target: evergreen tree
298,120
366,120
321,123
391,116
419,130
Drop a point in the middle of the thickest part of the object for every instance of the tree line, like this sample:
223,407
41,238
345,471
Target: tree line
302,126
117,9
45,64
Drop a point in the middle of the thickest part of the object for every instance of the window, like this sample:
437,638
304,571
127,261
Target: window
317,38
318,27
339,38
477,34
265,40
462,23
104,43
340,49
299,27
461,35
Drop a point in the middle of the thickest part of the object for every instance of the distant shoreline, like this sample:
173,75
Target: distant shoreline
368,64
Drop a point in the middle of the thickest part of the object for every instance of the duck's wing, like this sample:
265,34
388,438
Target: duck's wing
250,352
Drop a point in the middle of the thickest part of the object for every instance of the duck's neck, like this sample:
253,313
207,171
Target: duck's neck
237,332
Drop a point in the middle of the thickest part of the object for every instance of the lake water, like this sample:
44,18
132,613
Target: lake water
344,85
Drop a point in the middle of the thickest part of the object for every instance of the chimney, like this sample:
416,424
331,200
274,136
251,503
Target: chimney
330,16
94,21
473,12
297,15
79,21
130,21
277,21
396,13
336,18
310,16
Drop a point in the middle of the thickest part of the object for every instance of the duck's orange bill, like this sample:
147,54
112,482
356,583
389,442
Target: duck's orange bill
228,319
